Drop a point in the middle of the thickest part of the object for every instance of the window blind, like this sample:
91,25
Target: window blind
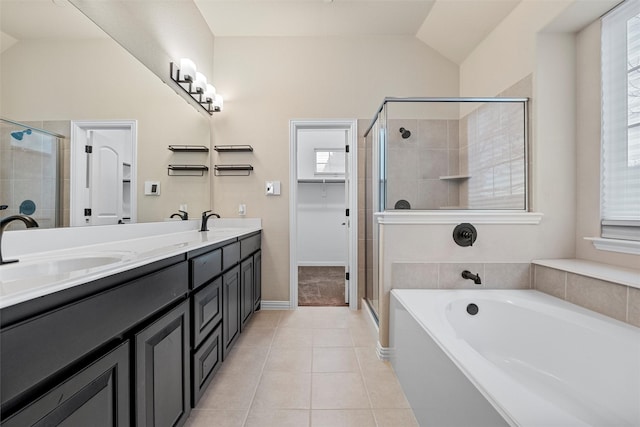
620,192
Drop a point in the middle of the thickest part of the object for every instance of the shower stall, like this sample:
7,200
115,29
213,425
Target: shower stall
30,172
439,154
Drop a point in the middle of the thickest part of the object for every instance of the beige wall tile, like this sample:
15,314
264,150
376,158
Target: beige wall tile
451,275
550,281
604,297
507,276
633,315
342,418
405,275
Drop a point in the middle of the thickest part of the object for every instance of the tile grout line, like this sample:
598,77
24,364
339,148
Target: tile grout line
264,363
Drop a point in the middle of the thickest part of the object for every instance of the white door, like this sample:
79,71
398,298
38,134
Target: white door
102,173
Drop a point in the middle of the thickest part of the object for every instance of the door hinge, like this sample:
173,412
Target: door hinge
87,212
347,148
346,276
347,214
88,149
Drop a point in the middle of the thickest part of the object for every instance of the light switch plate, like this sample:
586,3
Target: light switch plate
152,188
272,188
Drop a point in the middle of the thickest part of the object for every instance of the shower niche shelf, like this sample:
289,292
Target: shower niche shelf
232,170
189,148
186,170
232,148
455,177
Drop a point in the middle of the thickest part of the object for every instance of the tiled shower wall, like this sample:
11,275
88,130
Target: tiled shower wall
415,164
492,155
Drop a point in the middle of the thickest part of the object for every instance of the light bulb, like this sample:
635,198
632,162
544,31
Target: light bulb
187,69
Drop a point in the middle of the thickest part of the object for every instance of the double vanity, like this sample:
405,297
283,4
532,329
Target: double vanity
102,330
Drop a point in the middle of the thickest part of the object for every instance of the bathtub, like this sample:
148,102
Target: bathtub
524,359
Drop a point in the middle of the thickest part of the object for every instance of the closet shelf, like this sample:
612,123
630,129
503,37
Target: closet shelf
192,148
180,170
321,181
232,148
233,170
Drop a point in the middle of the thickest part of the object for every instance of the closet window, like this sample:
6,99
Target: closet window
620,193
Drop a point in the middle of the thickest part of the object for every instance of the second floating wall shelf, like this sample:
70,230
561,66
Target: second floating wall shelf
233,170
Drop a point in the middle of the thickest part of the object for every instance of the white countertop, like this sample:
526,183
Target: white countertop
597,270
72,257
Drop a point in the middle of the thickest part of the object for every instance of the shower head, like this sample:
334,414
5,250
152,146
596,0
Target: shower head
20,134
405,133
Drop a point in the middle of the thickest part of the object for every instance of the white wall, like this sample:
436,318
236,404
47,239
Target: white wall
269,81
321,237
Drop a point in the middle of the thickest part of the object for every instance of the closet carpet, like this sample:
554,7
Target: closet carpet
321,286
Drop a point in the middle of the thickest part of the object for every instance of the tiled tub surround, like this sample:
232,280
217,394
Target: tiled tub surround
576,281
620,301
525,358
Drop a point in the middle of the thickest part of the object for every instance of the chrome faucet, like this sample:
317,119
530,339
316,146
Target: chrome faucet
205,218
28,221
184,215
469,275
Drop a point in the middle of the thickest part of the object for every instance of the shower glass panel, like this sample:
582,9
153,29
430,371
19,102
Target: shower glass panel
455,154
29,174
438,154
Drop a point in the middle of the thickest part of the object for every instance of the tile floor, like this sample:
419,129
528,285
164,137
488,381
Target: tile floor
315,366
321,286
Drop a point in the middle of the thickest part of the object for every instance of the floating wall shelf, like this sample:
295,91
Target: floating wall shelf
233,170
455,177
190,148
232,148
186,170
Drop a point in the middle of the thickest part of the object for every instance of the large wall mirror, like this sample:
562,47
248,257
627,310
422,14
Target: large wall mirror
58,67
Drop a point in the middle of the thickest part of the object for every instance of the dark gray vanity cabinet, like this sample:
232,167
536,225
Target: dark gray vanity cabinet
162,371
97,395
230,309
247,276
257,280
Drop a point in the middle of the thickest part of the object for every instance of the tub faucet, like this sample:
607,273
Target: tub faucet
205,218
183,216
28,221
469,275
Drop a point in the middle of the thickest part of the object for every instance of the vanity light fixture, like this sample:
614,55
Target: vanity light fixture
195,84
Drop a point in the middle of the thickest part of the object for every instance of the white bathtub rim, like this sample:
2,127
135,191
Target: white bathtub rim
517,405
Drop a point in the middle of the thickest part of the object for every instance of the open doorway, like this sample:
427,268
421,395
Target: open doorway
323,233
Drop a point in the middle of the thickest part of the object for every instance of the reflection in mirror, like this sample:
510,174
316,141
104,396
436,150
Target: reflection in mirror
58,67
29,174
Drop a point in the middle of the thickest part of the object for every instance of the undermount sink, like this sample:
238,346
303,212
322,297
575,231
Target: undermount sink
47,267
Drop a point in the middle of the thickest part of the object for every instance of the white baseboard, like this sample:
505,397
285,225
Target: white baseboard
384,353
275,305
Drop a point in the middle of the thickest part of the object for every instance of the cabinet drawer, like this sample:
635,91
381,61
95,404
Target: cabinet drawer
230,255
207,310
206,361
97,396
205,267
249,245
